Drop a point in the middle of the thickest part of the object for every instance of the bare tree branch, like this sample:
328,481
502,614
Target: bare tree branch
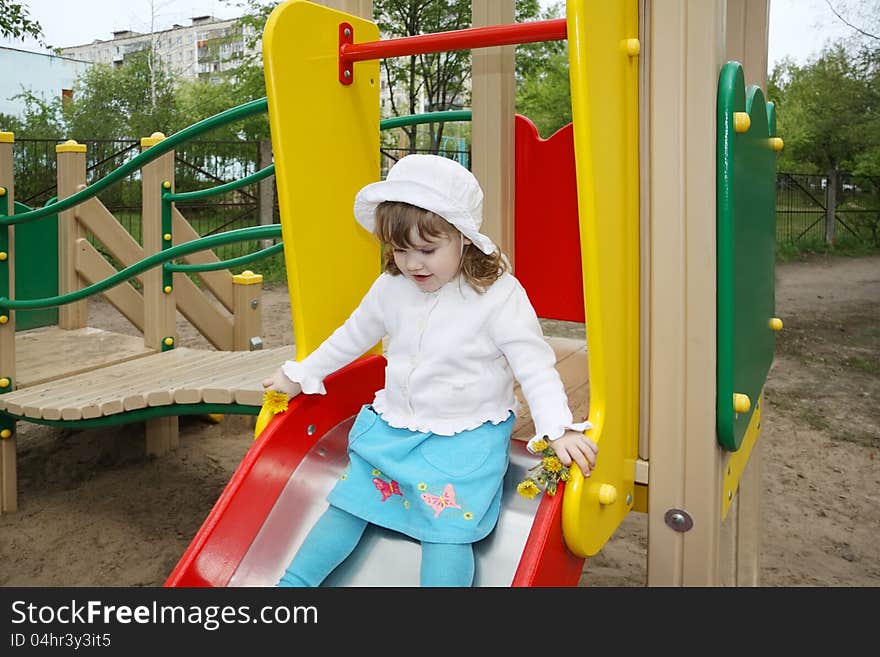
847,23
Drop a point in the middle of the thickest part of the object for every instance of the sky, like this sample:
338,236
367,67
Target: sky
798,28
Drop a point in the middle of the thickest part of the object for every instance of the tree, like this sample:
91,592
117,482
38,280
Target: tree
827,114
16,23
428,82
117,103
543,89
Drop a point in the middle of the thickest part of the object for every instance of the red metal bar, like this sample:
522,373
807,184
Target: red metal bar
475,37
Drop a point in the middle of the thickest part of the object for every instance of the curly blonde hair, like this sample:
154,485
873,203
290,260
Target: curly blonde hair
394,220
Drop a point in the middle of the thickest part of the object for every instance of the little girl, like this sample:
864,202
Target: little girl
429,455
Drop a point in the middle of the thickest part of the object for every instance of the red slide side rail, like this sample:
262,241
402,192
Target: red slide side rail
227,533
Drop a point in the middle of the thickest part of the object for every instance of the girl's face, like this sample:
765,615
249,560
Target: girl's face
430,264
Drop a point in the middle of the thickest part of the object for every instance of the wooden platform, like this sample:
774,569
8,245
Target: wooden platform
90,373
179,376
571,363
50,353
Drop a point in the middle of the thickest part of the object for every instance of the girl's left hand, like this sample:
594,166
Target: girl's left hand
575,446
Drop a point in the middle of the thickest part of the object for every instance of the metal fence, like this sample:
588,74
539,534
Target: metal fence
802,200
198,165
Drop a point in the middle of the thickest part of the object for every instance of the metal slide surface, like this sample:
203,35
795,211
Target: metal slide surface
279,490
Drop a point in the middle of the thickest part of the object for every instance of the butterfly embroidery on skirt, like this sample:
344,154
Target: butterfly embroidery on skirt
438,503
387,488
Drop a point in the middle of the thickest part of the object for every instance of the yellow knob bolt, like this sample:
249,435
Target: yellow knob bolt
776,324
167,289
4,319
4,255
607,494
633,47
168,341
741,121
2,191
776,144
167,237
6,433
4,382
167,184
741,403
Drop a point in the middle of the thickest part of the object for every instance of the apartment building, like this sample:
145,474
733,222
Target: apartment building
206,48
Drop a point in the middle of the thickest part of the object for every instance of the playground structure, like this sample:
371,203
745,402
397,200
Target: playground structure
644,90
674,159
62,372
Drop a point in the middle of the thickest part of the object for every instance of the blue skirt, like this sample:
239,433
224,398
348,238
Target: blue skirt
439,489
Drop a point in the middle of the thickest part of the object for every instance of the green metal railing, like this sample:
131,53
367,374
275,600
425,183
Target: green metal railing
206,125
201,244
169,253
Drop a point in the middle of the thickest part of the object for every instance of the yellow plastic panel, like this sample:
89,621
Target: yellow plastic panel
325,138
738,460
604,97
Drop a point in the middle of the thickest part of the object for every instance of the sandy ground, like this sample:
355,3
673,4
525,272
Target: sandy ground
95,511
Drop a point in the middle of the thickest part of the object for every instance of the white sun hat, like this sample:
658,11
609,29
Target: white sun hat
433,183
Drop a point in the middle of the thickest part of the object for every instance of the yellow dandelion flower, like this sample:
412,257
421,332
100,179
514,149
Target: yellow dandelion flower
551,464
528,489
565,474
422,486
539,445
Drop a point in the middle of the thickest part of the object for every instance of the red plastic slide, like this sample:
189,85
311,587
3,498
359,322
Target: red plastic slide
278,491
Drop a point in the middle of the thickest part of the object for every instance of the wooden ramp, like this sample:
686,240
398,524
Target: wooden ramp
178,376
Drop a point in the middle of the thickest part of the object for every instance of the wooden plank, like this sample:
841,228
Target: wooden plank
218,282
203,313
240,376
215,388
107,229
84,350
189,389
93,385
92,266
91,391
250,391
571,363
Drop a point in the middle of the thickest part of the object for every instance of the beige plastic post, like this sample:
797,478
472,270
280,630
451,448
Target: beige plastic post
748,32
71,176
159,306
686,42
362,8
492,120
247,327
8,468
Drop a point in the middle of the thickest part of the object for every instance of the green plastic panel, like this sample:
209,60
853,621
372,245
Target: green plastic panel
746,251
36,268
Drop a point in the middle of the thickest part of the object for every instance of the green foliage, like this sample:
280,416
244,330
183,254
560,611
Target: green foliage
827,112
41,119
15,21
10,123
440,80
543,91
127,102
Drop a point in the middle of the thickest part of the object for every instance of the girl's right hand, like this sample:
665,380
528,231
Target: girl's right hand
279,381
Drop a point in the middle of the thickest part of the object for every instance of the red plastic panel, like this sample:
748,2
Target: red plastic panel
547,236
546,561
230,528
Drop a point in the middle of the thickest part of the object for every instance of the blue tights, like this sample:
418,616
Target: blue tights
337,533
